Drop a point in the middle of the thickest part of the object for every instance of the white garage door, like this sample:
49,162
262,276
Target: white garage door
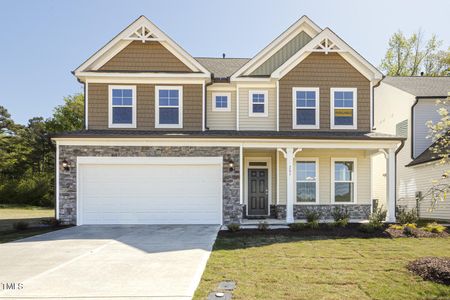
150,190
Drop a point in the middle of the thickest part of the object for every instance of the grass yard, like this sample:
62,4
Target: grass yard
9,214
267,266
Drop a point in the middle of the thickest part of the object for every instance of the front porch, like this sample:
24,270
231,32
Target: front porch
280,185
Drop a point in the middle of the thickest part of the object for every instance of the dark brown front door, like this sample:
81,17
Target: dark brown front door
258,191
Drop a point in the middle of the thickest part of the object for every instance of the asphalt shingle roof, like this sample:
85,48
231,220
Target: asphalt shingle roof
222,67
421,85
336,135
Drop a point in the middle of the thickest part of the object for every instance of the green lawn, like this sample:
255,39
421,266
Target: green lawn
9,214
283,267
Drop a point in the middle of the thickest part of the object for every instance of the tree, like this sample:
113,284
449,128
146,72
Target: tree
69,116
409,56
440,135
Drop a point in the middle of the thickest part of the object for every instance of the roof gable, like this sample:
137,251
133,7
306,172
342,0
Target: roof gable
327,42
304,24
142,30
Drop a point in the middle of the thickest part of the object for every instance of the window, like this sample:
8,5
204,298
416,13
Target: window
343,108
306,180
169,104
257,104
221,101
306,108
122,106
344,178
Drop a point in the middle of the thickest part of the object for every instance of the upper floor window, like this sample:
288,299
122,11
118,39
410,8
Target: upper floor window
344,180
306,108
122,106
169,107
258,104
221,101
343,108
307,180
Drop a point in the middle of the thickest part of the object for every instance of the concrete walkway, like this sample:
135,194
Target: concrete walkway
108,262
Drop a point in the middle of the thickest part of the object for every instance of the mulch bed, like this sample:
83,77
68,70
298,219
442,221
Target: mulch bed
352,230
436,269
417,233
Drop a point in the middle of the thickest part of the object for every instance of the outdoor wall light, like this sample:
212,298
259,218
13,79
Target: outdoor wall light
65,165
231,165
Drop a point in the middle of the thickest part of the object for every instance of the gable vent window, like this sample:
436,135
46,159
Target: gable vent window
343,108
306,108
122,106
168,107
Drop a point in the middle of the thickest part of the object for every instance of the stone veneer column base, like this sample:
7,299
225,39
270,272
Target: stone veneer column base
232,209
356,211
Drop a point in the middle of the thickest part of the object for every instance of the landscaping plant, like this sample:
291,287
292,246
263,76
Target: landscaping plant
233,227
434,228
297,226
341,216
406,217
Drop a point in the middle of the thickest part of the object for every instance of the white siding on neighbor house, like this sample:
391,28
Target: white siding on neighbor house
251,153
221,120
363,173
247,122
391,107
424,111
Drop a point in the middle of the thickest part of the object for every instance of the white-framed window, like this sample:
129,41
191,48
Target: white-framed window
168,107
305,108
307,180
344,108
257,104
343,180
122,106
221,101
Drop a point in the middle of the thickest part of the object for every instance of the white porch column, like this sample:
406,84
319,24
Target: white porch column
289,185
390,185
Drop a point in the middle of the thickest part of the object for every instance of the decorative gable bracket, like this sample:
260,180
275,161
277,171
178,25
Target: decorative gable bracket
326,45
143,34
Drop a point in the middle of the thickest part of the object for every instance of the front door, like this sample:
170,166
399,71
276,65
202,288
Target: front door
258,192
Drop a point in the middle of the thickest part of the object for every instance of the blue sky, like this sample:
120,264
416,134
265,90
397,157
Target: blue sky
42,41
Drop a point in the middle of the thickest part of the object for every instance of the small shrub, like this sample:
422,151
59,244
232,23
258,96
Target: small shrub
436,269
312,215
21,225
233,227
378,216
396,227
297,226
408,231
341,223
434,228
263,226
313,224
406,217
411,225
340,213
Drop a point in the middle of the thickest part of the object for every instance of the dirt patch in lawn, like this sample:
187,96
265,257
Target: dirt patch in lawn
436,269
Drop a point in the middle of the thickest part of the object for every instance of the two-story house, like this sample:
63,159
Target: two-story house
403,107
174,139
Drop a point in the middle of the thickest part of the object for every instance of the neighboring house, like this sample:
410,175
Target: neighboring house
403,105
170,138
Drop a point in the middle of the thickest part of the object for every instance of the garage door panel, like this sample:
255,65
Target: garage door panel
150,194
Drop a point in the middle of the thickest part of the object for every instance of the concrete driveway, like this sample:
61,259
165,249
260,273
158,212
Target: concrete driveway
119,262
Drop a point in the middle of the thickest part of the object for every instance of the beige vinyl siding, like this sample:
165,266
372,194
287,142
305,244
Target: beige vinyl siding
363,173
251,153
257,123
324,71
145,111
221,120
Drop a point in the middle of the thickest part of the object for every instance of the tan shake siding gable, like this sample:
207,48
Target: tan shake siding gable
149,56
145,112
324,71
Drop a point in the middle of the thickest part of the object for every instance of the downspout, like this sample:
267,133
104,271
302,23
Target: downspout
395,172
206,101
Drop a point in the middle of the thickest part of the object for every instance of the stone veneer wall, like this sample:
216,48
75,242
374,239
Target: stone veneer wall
356,211
232,209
